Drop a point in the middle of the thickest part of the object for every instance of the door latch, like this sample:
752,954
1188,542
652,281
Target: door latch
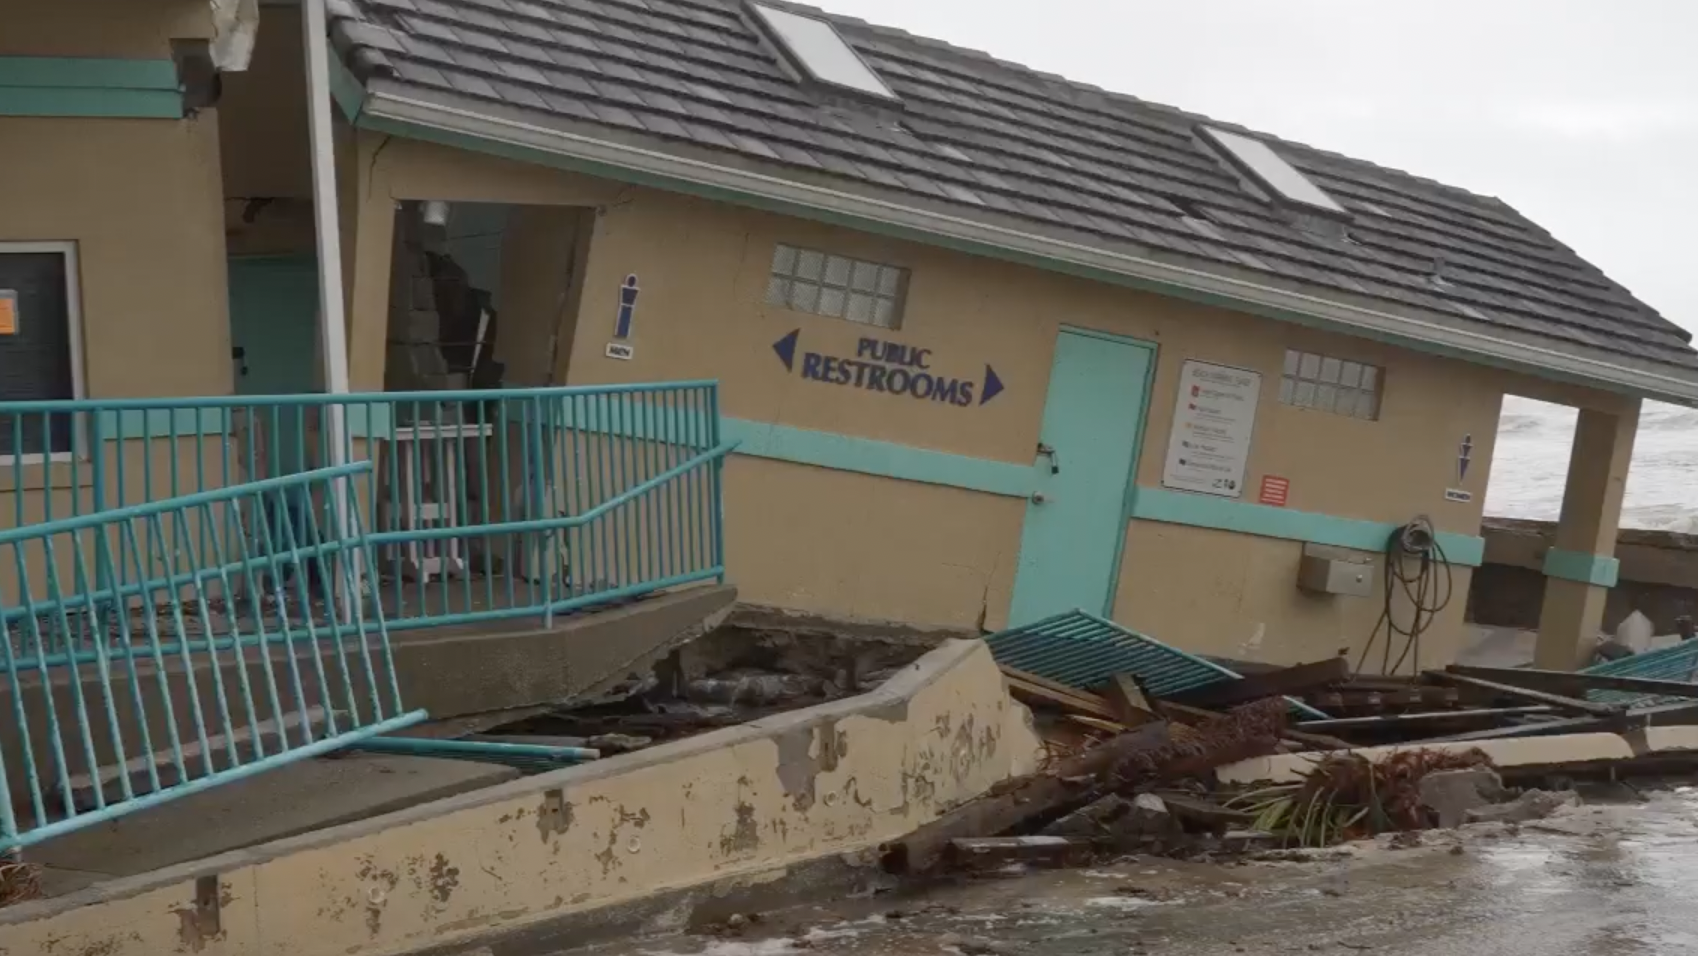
1054,457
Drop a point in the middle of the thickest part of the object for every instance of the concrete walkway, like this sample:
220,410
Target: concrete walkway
310,795
1604,880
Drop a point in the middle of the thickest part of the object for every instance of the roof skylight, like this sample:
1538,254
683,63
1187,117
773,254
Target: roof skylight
1270,171
815,46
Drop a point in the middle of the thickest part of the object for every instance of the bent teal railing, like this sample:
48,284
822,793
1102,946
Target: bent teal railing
482,504
114,704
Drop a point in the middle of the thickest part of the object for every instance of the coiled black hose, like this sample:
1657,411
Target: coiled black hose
1427,586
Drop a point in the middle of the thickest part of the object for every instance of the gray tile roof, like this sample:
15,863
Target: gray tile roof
988,139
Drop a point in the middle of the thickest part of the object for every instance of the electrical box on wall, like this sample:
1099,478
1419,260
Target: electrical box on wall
1328,570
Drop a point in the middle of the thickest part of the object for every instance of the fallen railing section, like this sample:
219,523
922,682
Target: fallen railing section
111,712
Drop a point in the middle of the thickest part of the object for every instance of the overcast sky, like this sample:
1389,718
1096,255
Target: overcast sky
1580,113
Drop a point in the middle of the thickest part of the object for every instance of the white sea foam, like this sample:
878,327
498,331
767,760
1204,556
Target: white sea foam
1530,465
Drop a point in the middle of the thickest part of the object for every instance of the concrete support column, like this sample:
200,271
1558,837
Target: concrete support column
1580,567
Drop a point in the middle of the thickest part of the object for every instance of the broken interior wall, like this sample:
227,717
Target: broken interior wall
742,804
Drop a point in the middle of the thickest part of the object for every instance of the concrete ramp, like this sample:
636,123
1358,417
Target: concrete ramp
457,672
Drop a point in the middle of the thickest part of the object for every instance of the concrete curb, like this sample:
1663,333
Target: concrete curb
1510,754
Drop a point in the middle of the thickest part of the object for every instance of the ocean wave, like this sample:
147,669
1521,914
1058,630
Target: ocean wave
1530,465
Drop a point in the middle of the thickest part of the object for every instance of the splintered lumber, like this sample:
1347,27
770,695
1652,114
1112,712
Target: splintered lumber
1571,684
1127,699
1097,723
1288,680
1071,782
1495,716
1183,714
1661,715
1031,688
1565,704
986,852
1145,756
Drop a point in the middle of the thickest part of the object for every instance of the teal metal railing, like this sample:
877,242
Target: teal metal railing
114,702
482,505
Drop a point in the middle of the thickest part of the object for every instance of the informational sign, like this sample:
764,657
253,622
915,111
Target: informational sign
621,351
1464,457
893,368
1275,491
1212,427
8,312
1458,495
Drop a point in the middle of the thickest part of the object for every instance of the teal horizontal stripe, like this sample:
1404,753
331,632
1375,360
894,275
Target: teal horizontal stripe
1595,569
89,87
1225,514
885,459
87,73
105,104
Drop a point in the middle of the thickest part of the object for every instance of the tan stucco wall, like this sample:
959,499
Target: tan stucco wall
140,29
740,803
810,538
141,199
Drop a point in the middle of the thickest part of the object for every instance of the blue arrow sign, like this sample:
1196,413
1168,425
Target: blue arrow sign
786,349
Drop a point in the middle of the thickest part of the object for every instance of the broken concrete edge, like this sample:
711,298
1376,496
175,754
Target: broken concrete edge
647,658
1570,752
691,908
762,617
833,779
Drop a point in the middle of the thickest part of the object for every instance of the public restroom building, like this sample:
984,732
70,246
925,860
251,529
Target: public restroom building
995,345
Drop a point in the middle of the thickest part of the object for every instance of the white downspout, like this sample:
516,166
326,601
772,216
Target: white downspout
333,326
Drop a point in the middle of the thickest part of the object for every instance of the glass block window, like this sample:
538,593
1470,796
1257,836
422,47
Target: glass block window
819,283
1329,384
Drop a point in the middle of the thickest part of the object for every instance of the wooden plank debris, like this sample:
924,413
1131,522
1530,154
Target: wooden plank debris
1289,680
1031,688
1571,684
1127,699
1565,704
1074,781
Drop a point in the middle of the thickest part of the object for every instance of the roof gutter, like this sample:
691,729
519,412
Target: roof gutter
630,163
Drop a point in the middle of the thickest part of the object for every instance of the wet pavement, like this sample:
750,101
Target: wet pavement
1600,880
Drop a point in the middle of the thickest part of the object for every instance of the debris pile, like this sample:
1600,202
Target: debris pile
1135,730
1105,797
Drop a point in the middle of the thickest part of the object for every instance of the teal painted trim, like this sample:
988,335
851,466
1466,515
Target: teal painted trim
1597,570
348,92
86,87
364,421
166,422
884,459
1225,514
87,73
101,104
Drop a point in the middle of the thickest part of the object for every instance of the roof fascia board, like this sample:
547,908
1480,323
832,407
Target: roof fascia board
346,89
410,117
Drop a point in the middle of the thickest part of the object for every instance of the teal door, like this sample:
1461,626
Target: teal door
274,342
274,324
1076,523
